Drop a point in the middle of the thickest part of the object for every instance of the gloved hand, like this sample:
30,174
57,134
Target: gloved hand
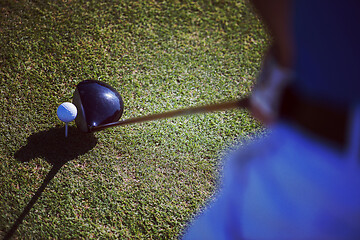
265,98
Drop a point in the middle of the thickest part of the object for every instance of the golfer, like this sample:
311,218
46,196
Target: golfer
302,180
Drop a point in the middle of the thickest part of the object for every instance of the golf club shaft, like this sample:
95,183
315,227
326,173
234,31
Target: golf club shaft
242,103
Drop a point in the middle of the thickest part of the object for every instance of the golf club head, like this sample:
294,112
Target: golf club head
97,103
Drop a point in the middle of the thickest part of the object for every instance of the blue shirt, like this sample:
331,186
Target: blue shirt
327,39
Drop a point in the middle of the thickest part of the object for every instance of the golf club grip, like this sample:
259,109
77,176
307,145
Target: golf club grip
242,103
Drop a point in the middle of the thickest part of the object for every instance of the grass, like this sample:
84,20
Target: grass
143,181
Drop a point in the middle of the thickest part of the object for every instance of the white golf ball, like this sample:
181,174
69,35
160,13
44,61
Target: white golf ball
67,112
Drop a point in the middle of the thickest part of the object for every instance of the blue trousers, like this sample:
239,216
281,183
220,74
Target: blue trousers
288,185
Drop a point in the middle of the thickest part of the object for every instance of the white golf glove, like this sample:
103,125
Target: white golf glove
271,81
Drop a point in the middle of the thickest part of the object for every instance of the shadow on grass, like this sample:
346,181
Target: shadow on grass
55,149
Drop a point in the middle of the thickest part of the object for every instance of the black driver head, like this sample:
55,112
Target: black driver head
97,103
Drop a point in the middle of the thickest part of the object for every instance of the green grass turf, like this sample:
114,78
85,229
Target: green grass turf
143,181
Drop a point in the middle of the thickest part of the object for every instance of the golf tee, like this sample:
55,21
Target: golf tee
66,130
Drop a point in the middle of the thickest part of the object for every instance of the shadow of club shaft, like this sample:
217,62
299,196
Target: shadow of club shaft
33,200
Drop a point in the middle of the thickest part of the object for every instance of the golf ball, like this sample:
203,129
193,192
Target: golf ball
67,112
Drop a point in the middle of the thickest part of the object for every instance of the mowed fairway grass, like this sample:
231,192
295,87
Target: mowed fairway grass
143,181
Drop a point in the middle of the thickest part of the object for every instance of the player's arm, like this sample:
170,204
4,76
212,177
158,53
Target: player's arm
277,16
276,70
